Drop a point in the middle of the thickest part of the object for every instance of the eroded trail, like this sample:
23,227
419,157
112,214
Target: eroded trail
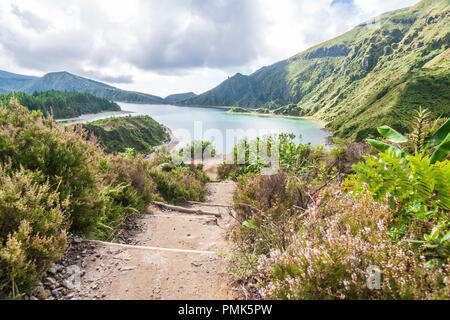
175,256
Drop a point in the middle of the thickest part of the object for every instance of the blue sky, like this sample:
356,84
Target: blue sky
342,1
170,46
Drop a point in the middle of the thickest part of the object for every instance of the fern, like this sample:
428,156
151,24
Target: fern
441,175
406,181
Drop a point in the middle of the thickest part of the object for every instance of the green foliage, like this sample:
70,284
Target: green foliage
178,184
33,222
423,139
330,256
250,157
61,105
53,180
372,75
417,190
56,154
141,133
64,81
196,150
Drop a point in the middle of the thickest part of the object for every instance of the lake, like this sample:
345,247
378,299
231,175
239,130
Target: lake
218,126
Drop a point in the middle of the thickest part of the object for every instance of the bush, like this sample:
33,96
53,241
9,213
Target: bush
57,155
178,185
418,192
265,205
336,244
53,180
33,224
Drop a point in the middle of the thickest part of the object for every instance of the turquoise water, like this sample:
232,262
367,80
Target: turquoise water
223,129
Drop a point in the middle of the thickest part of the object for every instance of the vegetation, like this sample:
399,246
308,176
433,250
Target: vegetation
55,182
329,220
195,151
239,110
173,98
377,74
115,135
61,105
64,81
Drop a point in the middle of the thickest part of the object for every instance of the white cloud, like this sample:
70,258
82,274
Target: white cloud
169,46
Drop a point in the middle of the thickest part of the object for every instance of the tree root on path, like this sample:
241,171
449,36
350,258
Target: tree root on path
186,210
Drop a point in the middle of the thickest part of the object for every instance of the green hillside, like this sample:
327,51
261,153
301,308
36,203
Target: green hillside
118,134
378,73
61,105
179,97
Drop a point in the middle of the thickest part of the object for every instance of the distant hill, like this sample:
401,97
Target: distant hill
61,105
180,97
11,81
378,73
64,81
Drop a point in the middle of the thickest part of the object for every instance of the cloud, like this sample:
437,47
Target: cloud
29,19
171,45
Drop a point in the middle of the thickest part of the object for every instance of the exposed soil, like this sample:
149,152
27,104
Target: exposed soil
162,255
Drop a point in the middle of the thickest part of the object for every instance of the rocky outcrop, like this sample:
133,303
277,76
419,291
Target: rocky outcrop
334,51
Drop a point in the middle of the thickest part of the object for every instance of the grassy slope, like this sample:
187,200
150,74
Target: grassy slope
374,74
179,97
117,134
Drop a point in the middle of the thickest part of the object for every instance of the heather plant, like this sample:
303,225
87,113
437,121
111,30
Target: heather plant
179,184
265,206
338,244
33,223
417,185
53,180
57,155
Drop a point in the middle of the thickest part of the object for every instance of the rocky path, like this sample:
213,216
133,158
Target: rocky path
172,256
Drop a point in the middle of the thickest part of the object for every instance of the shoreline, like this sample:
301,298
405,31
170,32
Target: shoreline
84,116
321,124
169,144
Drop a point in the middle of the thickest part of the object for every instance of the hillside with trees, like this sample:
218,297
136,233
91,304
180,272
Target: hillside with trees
380,72
62,105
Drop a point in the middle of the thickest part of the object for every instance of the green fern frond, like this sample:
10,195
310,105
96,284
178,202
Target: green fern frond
441,174
422,176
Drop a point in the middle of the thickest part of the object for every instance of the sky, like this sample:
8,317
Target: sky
170,46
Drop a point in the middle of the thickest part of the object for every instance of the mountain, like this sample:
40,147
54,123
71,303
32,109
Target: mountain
378,73
179,97
64,81
11,81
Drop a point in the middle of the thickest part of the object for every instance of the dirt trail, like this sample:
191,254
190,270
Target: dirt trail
176,256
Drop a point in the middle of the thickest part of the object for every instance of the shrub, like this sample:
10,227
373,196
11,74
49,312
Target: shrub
33,224
336,244
178,185
265,205
57,155
418,192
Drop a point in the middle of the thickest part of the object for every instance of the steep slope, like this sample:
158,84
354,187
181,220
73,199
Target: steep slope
180,97
64,81
377,73
117,134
